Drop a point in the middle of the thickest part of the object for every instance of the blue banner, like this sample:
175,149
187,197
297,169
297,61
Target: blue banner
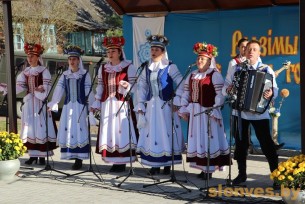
277,28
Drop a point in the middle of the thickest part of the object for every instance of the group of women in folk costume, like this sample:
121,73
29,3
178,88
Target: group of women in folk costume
155,135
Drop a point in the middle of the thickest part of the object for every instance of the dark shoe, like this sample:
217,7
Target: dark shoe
276,186
241,178
279,146
113,168
77,164
31,160
121,168
118,168
154,170
204,176
167,170
42,161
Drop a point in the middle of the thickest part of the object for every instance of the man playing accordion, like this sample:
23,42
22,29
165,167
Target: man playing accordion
259,121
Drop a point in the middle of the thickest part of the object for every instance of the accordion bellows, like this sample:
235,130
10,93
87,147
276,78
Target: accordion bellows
251,85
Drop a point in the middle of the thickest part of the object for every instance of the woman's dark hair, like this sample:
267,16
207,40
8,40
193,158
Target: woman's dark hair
121,55
241,41
162,48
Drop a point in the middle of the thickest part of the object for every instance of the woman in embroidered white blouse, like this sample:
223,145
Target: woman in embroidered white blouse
36,81
75,83
202,90
155,87
116,125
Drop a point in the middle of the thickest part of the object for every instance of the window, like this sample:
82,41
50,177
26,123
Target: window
49,37
51,66
97,46
18,37
20,63
55,66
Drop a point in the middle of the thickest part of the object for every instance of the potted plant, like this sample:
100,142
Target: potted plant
290,175
11,148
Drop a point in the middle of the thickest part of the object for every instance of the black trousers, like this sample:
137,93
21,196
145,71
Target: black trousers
262,132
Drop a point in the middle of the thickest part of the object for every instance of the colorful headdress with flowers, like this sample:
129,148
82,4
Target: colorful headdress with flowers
34,49
113,42
157,41
205,49
73,51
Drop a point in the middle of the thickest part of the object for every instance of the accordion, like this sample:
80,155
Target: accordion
250,86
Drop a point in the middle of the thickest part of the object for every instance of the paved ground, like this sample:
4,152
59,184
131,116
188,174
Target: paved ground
50,186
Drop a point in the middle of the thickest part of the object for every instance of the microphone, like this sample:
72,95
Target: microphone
59,69
100,61
97,66
232,98
20,64
194,64
141,68
144,64
245,64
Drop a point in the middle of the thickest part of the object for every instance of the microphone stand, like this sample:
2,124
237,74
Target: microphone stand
44,104
228,181
173,178
90,169
127,97
208,113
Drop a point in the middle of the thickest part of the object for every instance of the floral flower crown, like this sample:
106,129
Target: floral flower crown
114,42
73,51
157,41
33,48
205,49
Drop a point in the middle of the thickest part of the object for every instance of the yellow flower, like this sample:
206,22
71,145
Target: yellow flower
290,178
286,164
296,171
281,177
281,168
11,147
301,164
291,173
275,173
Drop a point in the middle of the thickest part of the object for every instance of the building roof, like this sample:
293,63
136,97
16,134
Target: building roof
189,6
91,14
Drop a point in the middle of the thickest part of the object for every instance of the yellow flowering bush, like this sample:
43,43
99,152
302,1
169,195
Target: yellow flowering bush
11,146
291,173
